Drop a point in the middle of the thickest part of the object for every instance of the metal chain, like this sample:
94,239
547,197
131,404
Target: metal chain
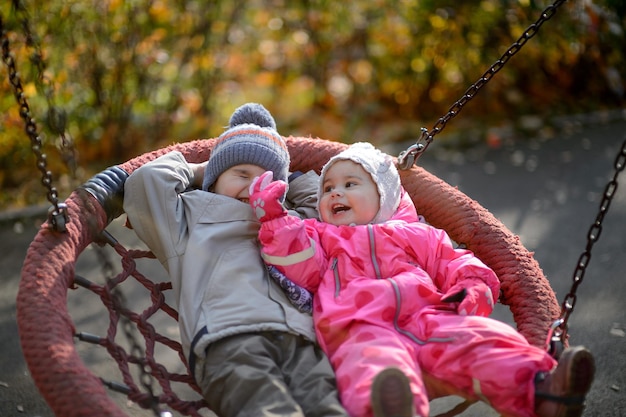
58,216
56,118
408,157
569,302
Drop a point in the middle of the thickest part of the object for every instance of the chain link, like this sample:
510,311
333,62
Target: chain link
569,302
408,157
58,212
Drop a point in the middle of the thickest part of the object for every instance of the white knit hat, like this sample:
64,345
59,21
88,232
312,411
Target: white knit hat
383,171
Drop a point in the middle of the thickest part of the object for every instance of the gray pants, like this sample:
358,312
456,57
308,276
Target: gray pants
269,374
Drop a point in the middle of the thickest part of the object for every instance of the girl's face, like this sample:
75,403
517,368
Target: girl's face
235,181
349,195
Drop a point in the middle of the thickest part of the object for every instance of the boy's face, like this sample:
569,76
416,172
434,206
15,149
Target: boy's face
349,195
235,181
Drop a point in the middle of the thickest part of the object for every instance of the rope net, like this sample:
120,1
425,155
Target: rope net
48,334
141,352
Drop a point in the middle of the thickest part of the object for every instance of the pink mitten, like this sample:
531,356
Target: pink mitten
265,197
473,298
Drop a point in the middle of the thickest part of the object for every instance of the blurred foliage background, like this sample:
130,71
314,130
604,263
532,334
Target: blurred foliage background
122,77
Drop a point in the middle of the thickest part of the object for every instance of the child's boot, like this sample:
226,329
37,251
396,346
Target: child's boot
391,394
561,392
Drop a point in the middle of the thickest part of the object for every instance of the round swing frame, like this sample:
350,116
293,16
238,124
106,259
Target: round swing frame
46,329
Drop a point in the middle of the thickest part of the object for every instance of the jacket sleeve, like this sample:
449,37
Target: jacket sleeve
292,246
446,264
300,297
153,205
301,198
301,201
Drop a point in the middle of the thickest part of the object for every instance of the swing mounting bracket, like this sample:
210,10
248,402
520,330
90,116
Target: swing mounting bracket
408,157
58,217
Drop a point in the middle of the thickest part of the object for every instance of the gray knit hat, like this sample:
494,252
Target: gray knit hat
383,171
250,139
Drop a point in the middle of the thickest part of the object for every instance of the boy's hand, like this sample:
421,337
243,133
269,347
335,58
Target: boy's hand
266,196
198,173
473,298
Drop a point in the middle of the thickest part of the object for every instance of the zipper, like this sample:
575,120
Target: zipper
396,290
336,275
370,231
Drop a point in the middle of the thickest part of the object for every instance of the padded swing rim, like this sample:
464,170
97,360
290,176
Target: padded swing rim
47,331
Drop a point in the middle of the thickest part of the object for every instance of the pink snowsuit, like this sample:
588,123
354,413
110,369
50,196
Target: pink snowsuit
378,290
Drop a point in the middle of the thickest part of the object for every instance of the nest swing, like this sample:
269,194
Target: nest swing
47,331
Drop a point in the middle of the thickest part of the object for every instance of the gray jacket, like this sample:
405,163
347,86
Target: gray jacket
208,245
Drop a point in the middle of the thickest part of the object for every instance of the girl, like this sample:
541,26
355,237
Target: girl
392,293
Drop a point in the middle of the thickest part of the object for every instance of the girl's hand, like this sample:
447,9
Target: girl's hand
266,196
473,298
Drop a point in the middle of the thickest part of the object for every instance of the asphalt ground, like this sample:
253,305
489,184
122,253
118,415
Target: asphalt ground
547,191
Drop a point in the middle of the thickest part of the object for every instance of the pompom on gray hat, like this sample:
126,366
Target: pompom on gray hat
383,171
251,138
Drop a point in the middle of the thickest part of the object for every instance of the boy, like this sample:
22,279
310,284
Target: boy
250,350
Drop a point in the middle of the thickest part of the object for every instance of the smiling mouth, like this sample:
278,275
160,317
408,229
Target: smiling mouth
339,208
